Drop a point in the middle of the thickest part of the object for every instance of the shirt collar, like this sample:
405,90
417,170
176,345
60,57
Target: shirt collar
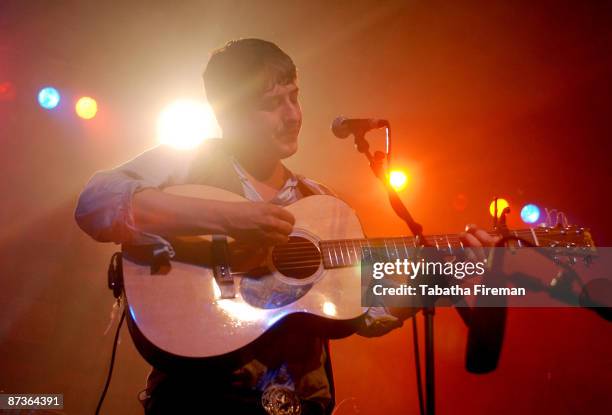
292,180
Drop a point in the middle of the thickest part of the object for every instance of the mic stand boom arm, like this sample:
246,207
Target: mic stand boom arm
378,168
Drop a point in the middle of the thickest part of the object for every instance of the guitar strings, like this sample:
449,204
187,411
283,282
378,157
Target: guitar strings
375,242
295,253
383,241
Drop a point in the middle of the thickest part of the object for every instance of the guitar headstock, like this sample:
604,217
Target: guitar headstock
569,241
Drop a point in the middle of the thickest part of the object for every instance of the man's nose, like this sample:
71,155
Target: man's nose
292,113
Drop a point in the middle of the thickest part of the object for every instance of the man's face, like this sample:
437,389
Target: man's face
270,126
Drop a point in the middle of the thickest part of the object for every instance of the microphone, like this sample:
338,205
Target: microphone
342,127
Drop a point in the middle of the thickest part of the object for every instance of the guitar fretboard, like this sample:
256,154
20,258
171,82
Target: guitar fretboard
348,252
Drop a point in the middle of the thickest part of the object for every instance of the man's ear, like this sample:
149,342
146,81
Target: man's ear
224,121
231,124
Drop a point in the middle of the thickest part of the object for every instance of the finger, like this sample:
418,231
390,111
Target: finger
469,240
275,238
251,246
275,225
465,243
283,214
483,236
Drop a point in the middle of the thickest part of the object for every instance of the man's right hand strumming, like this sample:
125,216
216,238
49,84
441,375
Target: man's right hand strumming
258,223
248,222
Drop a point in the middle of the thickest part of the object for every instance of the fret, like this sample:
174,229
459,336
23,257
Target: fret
405,247
341,253
394,253
355,254
520,244
331,262
386,250
535,238
336,255
450,248
348,254
368,250
436,240
363,255
395,248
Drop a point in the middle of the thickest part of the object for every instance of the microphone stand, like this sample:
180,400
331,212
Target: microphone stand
377,165
559,291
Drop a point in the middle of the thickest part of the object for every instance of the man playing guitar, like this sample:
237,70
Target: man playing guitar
252,86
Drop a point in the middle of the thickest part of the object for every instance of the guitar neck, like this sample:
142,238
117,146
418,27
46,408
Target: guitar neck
347,252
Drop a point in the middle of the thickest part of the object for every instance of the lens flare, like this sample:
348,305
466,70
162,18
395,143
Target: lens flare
184,124
7,91
86,108
398,180
48,98
530,213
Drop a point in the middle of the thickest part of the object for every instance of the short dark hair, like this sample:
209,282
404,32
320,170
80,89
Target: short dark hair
242,70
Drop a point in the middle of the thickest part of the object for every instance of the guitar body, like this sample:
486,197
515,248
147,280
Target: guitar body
177,315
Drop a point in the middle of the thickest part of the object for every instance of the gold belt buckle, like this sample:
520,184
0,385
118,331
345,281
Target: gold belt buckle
280,400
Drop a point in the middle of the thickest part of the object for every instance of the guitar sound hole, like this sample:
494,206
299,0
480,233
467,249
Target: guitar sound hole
299,258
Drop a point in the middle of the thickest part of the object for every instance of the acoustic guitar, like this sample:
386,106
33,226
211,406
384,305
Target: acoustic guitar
213,300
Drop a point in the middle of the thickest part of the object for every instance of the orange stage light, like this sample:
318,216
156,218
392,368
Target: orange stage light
398,180
86,108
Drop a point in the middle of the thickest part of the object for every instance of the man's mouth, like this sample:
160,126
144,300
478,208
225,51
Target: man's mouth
289,133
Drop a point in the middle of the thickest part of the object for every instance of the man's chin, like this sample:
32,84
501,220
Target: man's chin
285,150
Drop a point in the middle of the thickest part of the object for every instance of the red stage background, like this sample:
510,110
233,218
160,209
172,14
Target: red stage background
486,98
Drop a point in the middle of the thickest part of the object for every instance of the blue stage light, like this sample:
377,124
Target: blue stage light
48,98
530,213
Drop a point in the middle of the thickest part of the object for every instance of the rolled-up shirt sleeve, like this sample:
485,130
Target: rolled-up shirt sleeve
104,208
378,322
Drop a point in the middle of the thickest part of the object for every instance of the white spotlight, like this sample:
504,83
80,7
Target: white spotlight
185,124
